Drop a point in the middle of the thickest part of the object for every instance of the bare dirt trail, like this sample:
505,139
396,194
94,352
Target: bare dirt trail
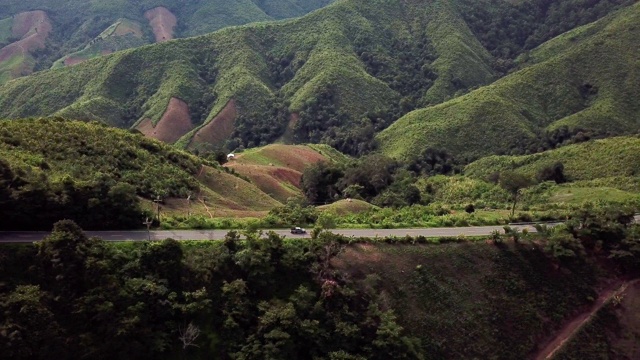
574,326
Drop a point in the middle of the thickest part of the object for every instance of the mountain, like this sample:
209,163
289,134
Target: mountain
586,80
35,34
345,72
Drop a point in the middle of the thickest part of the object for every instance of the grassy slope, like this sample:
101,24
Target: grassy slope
604,170
346,207
619,156
5,29
323,40
542,96
470,301
85,151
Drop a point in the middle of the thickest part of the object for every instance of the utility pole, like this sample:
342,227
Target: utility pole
158,200
148,223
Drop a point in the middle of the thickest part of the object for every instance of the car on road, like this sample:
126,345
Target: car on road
298,230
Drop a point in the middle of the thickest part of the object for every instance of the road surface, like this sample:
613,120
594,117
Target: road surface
31,236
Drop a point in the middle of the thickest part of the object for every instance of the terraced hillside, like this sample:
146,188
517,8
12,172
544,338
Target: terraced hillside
277,169
72,31
337,76
104,177
586,79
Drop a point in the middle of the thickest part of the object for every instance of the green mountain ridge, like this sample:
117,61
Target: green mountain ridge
78,24
584,79
346,72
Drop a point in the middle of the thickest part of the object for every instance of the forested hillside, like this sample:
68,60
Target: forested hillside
323,298
346,72
35,33
585,81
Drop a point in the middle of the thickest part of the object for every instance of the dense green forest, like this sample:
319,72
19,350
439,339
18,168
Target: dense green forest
348,71
73,297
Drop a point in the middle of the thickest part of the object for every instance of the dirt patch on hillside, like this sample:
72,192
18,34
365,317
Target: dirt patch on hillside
70,61
290,176
294,157
271,180
175,123
33,28
234,193
218,130
360,260
31,22
162,22
288,136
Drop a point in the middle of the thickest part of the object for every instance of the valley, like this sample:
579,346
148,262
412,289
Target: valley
466,173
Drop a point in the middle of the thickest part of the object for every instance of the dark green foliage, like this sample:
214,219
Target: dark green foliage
553,172
259,124
319,182
406,66
292,214
374,178
507,29
434,162
270,297
469,209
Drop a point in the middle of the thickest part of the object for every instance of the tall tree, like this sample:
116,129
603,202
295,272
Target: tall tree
514,182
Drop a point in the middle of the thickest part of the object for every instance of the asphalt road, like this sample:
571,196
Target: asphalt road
31,236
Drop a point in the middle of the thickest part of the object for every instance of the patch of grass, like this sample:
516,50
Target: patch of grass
578,195
5,29
346,207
